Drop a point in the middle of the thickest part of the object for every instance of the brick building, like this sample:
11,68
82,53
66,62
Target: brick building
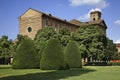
32,20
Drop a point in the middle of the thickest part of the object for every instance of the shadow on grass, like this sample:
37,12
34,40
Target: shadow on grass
53,75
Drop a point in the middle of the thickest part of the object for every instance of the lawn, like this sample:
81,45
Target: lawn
86,73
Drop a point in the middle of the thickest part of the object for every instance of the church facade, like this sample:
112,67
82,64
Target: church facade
32,20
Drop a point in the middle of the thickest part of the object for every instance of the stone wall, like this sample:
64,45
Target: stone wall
30,24
48,20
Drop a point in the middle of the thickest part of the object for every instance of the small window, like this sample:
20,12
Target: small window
29,29
93,19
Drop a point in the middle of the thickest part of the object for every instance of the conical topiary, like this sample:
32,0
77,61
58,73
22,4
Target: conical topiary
26,55
72,55
53,56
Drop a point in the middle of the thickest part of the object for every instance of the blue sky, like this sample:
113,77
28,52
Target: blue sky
10,10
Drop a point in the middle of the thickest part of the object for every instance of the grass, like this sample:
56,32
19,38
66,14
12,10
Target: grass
86,73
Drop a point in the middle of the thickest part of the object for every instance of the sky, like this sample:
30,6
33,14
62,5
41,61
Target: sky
10,10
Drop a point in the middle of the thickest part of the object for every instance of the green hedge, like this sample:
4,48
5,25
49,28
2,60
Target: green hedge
72,55
53,56
26,56
115,63
98,64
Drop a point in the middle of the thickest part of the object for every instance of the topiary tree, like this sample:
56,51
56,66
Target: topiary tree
53,56
41,51
72,55
26,55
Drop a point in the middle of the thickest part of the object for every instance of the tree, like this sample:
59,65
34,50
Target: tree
20,38
64,36
111,51
44,35
116,56
53,56
83,50
6,50
26,55
93,40
73,55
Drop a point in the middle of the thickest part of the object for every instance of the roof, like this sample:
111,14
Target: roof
28,10
74,22
99,22
49,15
117,44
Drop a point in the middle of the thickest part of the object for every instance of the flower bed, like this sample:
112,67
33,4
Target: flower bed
115,60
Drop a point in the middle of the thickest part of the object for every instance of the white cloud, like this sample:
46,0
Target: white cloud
117,22
87,15
96,3
117,41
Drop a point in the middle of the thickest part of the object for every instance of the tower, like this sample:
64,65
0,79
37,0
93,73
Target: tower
95,19
95,16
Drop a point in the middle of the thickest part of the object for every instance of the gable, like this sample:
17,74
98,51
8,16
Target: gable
30,12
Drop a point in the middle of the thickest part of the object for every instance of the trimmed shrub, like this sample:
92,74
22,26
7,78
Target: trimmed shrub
53,56
115,63
41,51
26,56
72,55
97,64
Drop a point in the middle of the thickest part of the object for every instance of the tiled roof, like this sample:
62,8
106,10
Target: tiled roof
73,21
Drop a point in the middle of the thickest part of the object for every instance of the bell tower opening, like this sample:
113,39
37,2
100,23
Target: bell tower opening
95,16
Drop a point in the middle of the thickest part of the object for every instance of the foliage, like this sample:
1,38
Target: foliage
116,56
44,35
115,63
93,43
98,64
41,51
64,36
6,50
53,56
20,38
73,55
26,55
111,51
